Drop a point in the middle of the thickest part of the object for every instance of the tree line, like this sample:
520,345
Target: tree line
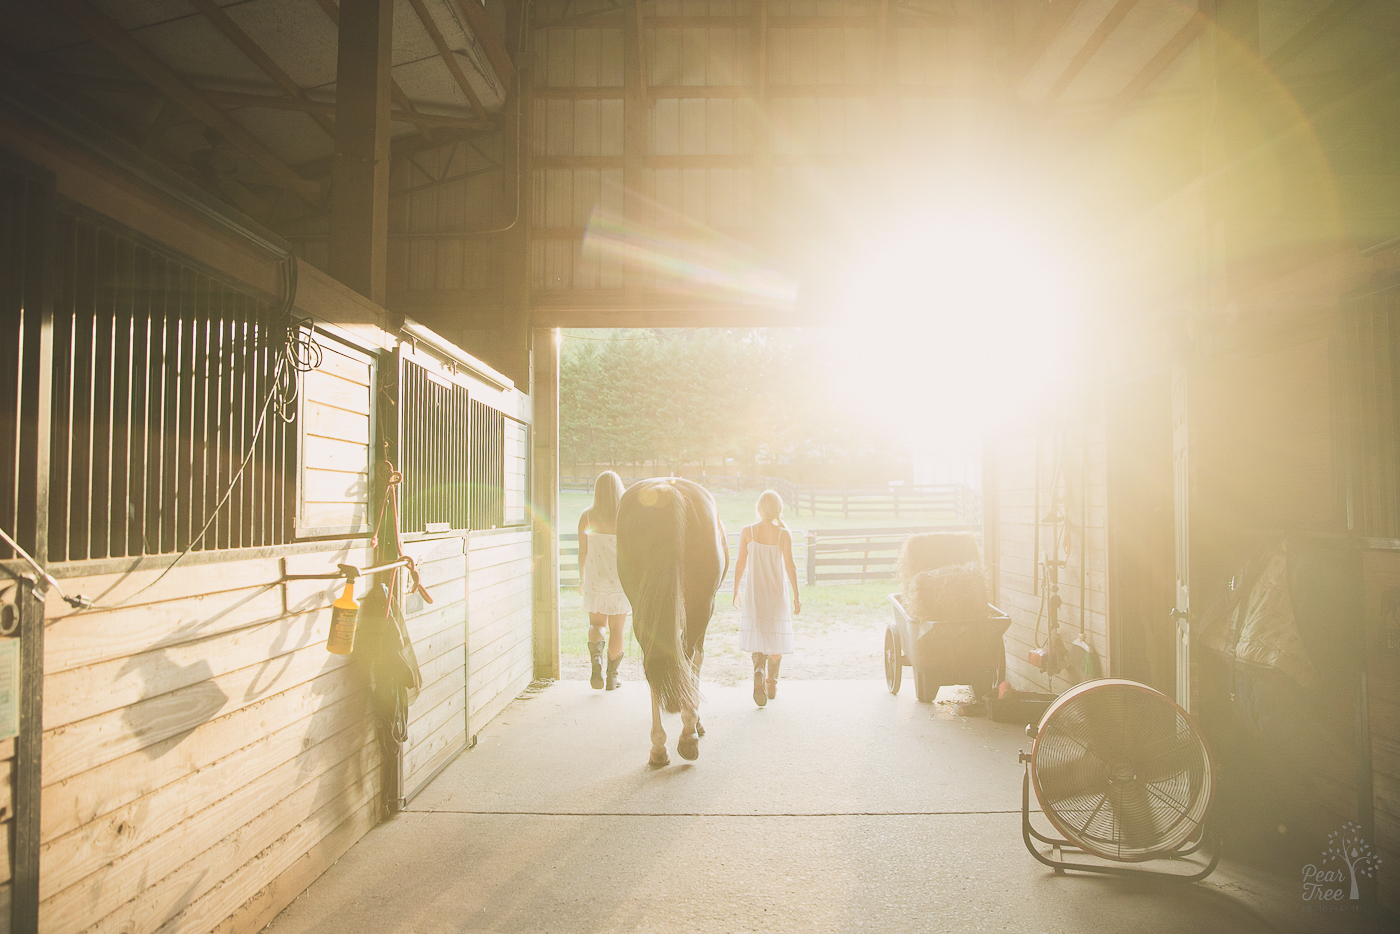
759,398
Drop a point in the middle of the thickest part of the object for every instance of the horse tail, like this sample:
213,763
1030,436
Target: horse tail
659,604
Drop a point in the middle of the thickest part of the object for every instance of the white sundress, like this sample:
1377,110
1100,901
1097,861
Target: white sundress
602,591
765,618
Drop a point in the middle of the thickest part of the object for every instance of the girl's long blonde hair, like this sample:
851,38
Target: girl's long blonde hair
770,508
607,490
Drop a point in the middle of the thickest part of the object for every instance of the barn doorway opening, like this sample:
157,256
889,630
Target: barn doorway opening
742,410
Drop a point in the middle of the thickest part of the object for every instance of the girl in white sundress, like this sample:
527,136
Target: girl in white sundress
602,591
765,615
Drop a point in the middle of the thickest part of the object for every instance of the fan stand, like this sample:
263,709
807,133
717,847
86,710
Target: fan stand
1059,848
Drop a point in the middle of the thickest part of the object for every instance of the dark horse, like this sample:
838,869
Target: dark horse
671,558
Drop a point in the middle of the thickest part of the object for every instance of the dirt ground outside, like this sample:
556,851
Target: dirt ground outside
840,634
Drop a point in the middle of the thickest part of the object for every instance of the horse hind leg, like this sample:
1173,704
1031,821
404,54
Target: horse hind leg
658,734
699,659
688,746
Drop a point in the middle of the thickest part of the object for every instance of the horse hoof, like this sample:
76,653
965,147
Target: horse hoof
689,749
658,759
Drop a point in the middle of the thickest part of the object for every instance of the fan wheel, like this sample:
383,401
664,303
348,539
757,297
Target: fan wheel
1120,770
894,661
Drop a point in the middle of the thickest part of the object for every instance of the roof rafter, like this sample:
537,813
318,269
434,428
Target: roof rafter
255,53
1159,63
106,33
1052,21
491,44
264,101
1091,46
448,58
1312,31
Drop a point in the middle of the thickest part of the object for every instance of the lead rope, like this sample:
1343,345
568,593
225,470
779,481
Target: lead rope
398,725
391,501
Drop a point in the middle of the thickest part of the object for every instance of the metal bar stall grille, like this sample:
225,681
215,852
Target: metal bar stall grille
433,444
160,374
488,467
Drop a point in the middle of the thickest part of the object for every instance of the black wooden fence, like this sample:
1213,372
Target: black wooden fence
952,500
858,555
948,501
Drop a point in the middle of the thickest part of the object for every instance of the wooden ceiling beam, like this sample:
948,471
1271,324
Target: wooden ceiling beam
1315,29
448,58
491,44
107,34
1159,63
261,101
332,11
1086,52
1051,23
255,54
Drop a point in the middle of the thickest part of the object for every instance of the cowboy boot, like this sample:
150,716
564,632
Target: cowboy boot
595,654
613,679
760,695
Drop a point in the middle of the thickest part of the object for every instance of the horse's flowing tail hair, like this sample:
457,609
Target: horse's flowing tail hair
659,603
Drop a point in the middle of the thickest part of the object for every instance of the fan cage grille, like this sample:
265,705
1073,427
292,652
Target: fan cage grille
1120,770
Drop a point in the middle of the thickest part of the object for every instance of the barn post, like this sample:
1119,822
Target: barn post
360,173
31,512
544,497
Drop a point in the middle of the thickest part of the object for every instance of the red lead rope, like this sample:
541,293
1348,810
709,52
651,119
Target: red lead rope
391,499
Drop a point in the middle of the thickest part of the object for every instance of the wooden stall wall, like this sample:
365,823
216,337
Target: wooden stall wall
1028,486
499,619
1371,327
205,757
437,721
7,816
338,416
464,464
1382,600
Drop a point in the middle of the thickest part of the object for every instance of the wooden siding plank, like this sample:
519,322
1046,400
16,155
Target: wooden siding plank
128,871
510,690
224,908
85,744
74,802
89,638
318,797
80,693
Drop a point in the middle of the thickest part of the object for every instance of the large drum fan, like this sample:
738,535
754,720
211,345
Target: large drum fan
1121,773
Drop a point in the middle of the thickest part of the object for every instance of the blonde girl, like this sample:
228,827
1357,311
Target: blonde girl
765,613
602,591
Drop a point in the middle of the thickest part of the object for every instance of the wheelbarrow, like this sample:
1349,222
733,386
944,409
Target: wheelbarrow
953,651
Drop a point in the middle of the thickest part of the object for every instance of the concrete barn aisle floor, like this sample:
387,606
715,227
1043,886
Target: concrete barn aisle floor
838,807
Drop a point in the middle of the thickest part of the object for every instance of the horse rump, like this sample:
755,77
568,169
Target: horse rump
651,529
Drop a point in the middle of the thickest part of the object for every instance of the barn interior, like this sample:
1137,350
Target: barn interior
282,282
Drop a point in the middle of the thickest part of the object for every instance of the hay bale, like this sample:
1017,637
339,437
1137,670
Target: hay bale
958,591
929,551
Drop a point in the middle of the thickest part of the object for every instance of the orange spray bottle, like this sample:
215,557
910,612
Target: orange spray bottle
345,614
